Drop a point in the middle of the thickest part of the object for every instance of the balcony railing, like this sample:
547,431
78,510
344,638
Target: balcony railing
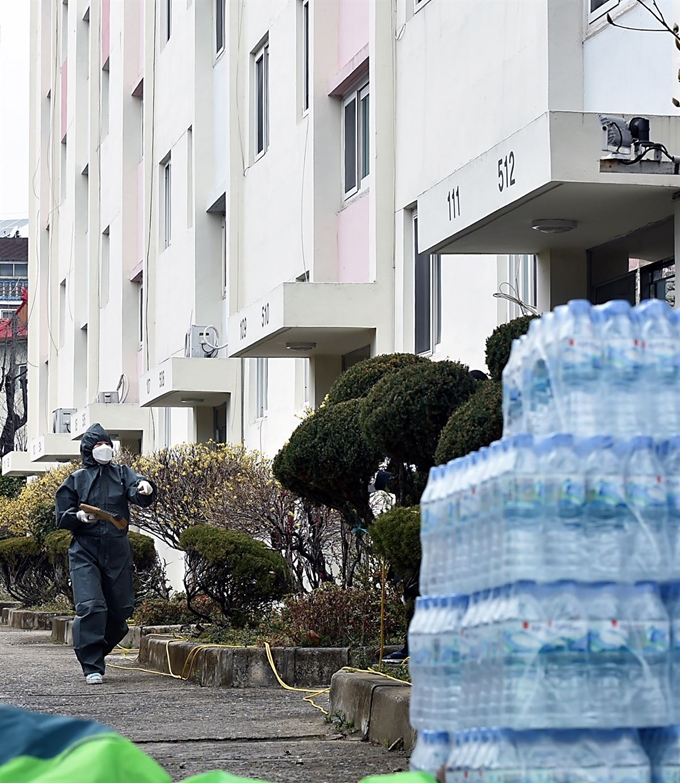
10,290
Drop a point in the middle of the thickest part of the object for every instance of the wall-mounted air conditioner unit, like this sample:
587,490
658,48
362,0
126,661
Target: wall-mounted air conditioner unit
198,339
108,397
61,420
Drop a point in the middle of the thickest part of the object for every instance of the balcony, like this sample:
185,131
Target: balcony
18,463
53,448
123,421
303,319
10,290
179,382
549,169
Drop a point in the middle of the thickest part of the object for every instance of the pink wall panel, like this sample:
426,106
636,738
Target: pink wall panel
106,29
64,97
352,29
353,260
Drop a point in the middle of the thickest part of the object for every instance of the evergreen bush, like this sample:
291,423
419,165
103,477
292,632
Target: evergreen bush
477,423
404,413
26,572
396,537
499,344
359,379
237,572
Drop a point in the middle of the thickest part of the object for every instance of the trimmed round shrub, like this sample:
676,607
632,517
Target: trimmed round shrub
359,379
149,577
328,460
241,575
56,545
405,412
396,537
26,572
143,551
499,344
160,611
477,423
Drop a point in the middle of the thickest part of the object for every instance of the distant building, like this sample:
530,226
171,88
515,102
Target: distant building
13,270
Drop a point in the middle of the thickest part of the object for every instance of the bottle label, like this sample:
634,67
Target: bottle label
673,493
572,495
580,356
662,355
630,774
525,637
608,636
646,492
651,638
606,493
675,636
666,774
523,492
569,635
622,355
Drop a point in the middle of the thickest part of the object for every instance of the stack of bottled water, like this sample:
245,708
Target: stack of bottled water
587,370
551,565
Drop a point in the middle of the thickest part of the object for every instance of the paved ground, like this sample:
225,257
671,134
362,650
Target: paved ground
257,732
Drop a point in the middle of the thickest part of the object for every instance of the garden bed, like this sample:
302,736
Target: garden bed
62,632
28,619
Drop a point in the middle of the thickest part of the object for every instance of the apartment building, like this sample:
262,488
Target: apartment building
235,200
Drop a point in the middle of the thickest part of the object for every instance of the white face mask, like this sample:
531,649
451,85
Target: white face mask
103,454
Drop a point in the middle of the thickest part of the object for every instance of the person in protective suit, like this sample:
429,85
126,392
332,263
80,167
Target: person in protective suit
100,557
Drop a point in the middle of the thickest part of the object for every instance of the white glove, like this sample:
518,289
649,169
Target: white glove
84,518
144,488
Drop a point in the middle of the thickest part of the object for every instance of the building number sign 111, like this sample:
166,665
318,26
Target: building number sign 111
506,179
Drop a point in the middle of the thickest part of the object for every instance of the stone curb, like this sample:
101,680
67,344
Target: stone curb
244,667
28,620
62,632
376,706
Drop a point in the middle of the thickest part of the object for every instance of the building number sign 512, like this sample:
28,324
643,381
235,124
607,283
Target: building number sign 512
506,171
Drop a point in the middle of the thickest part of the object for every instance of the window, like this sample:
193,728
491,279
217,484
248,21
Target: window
306,382
140,314
223,233
261,119
305,55
428,298
521,283
598,8
104,269
167,203
356,117
62,313
262,387
220,423
64,30
167,19
9,269
219,26
167,427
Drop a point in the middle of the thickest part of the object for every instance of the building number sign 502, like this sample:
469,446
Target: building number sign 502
264,321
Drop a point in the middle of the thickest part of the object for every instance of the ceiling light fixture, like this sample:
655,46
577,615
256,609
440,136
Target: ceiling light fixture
554,226
301,347
192,400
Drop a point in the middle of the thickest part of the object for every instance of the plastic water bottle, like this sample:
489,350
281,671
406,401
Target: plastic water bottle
606,510
670,464
450,682
418,645
522,528
663,748
539,410
672,602
661,367
610,658
646,497
564,502
513,397
503,765
565,655
431,752
627,760
650,632
579,363
427,529
449,524
524,636
622,369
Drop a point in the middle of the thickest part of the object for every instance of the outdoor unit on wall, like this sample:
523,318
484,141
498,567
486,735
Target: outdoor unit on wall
108,397
61,420
201,342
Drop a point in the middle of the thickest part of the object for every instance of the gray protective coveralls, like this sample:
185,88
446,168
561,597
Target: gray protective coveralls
100,556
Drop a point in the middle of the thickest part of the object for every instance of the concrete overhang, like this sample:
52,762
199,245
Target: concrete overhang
550,169
123,421
305,319
53,448
179,382
18,463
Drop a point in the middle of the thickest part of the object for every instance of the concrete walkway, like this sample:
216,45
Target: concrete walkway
268,733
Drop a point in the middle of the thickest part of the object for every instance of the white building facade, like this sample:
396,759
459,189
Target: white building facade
233,201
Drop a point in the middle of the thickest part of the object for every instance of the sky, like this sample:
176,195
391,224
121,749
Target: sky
14,60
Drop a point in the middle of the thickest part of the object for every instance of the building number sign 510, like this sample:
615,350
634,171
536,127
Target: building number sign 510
506,171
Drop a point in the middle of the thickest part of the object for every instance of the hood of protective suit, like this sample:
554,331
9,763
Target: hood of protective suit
90,439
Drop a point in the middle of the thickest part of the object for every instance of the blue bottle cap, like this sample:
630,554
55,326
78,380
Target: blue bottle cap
579,306
616,307
642,442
